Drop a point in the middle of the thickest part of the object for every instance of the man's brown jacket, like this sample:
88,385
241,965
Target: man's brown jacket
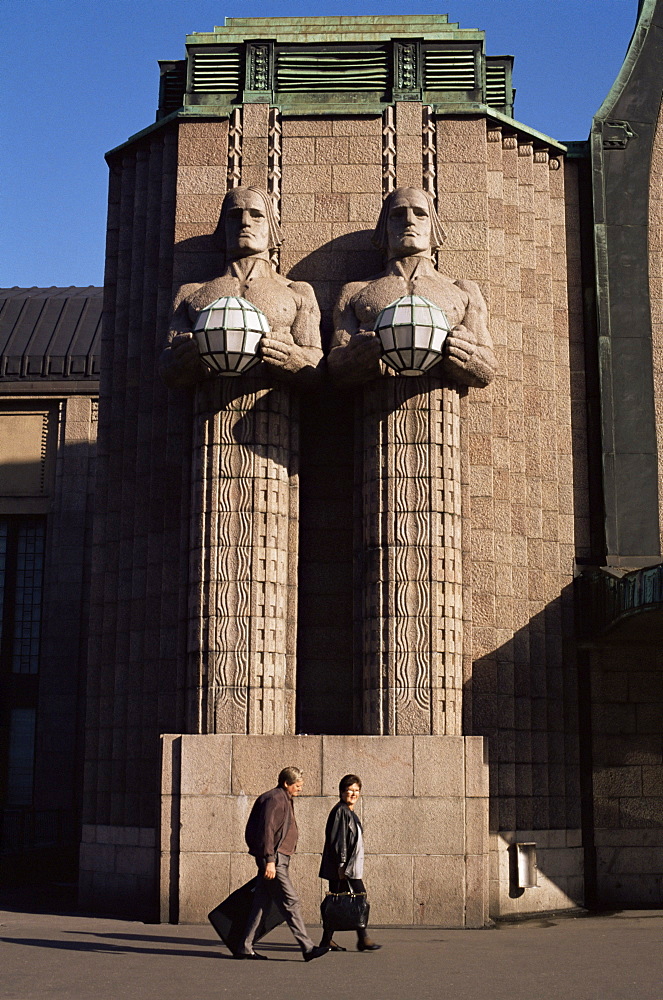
268,824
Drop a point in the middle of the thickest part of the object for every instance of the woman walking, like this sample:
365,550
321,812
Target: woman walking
343,855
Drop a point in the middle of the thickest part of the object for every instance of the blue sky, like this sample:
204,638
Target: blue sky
81,76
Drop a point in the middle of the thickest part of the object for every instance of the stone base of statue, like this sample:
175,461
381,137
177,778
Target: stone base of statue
424,809
243,605
408,451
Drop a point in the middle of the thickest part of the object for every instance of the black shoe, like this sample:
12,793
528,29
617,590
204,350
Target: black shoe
367,945
254,955
315,952
336,947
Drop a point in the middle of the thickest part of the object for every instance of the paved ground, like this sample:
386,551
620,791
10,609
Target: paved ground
610,957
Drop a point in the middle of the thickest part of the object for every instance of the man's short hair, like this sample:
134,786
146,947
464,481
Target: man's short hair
290,775
346,781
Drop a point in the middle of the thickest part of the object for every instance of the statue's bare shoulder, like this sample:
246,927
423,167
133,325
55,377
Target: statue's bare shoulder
185,292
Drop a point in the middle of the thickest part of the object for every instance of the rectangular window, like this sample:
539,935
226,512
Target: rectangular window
20,765
22,541
27,599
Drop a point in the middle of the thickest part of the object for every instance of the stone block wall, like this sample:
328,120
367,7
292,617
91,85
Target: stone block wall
332,195
424,810
505,207
137,635
627,703
560,860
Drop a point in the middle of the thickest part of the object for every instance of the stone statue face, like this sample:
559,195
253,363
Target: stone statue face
246,225
409,223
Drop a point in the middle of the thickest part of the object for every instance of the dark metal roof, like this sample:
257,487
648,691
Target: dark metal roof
50,334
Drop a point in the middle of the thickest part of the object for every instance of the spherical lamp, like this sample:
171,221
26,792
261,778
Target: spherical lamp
228,334
412,331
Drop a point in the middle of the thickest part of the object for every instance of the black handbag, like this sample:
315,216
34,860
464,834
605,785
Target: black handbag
344,911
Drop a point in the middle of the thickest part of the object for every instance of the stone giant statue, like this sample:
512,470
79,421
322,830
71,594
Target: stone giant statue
245,482
408,462
247,231
407,232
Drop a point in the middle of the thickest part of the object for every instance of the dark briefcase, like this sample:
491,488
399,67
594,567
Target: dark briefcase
230,917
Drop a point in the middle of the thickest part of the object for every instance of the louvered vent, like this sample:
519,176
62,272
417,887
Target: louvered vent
496,95
216,72
331,70
449,69
173,85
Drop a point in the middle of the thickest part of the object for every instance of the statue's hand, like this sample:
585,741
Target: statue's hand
181,364
278,348
467,361
364,350
460,345
184,350
357,360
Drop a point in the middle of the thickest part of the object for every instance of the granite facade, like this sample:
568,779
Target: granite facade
392,570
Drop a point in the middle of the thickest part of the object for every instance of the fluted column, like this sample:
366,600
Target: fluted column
244,558
410,565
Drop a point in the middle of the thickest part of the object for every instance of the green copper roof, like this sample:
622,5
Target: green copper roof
323,30
310,66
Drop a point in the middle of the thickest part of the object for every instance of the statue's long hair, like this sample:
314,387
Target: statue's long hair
380,238
275,233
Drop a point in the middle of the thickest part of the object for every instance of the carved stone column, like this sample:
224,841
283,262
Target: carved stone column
411,612
244,558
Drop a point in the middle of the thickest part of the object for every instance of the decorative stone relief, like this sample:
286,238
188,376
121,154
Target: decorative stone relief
429,151
235,149
388,152
259,67
274,172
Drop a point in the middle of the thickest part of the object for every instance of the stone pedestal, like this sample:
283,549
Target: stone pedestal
243,603
411,612
424,810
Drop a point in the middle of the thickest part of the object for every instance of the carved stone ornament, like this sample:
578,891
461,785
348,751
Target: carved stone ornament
617,134
408,231
290,348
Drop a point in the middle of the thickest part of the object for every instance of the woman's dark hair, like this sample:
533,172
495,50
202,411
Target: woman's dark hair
346,781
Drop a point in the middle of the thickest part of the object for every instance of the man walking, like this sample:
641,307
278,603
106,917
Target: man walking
271,835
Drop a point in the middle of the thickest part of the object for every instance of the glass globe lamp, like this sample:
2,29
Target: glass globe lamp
228,334
412,331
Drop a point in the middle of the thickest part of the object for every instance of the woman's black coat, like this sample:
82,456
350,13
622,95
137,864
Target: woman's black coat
340,840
